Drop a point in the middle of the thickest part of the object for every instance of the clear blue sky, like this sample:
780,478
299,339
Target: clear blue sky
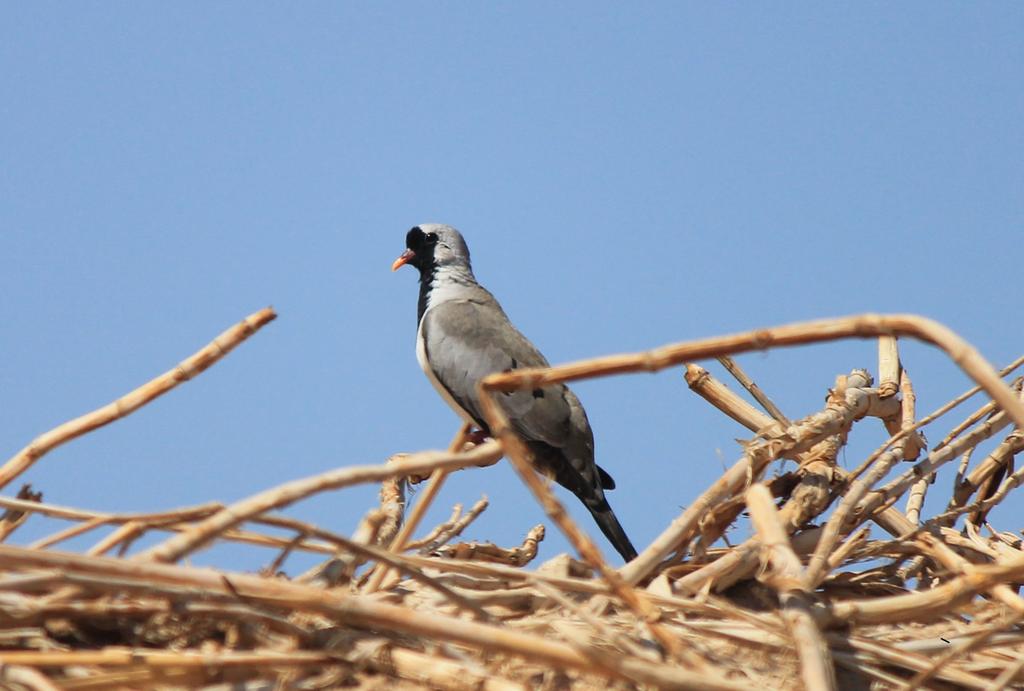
626,176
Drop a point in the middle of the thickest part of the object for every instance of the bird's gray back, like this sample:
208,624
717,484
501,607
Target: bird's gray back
468,339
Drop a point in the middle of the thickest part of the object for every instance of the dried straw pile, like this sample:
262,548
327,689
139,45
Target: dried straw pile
845,584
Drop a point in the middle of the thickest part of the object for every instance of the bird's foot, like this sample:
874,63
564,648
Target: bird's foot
477,437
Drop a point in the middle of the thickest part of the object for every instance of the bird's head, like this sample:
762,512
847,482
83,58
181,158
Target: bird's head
429,246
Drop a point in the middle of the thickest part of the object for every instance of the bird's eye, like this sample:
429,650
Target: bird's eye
430,238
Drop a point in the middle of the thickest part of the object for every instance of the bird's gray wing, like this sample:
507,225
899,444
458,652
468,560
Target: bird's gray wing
465,340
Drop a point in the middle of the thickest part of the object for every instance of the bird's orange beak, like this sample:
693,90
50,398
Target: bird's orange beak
403,259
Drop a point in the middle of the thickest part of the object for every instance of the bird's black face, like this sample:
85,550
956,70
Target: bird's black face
433,247
419,250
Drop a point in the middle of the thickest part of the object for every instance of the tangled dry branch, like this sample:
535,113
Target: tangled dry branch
837,587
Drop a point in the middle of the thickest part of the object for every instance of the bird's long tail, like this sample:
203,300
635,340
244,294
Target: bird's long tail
610,526
584,478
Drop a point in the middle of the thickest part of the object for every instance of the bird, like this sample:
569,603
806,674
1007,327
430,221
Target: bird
463,335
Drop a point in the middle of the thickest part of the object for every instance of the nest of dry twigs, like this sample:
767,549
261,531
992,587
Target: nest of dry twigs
844,584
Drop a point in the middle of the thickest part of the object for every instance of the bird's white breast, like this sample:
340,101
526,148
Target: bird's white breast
421,357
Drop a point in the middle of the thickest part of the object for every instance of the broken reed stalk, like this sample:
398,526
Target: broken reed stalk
912,444
888,366
130,402
412,522
717,394
747,383
794,595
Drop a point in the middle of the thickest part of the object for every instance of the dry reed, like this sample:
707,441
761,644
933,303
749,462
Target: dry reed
836,588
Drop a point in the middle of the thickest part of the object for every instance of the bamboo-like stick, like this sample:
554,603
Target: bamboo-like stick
399,662
393,661
888,366
130,402
180,545
982,412
173,520
915,499
742,412
731,565
815,666
968,394
747,383
393,561
961,469
913,444
717,394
